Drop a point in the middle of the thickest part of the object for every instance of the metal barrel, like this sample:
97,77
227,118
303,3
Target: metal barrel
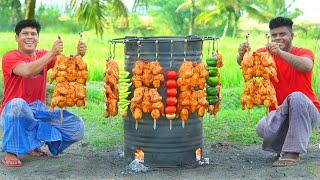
163,147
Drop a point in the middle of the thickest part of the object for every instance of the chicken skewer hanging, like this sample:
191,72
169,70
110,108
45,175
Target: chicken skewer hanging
70,73
258,68
144,76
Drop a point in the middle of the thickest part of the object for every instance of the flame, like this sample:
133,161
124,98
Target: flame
139,155
198,154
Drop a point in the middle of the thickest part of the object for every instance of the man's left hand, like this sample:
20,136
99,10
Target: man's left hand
81,48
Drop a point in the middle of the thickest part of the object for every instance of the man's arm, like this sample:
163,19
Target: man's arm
300,63
303,64
35,67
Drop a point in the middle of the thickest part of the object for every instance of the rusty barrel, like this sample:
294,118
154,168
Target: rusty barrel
163,147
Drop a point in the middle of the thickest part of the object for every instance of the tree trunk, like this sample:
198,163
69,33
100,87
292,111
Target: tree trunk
31,6
192,18
235,27
225,29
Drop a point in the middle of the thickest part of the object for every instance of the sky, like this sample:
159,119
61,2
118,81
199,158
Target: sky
310,10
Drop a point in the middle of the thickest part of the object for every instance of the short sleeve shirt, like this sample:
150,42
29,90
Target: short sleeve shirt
291,80
28,88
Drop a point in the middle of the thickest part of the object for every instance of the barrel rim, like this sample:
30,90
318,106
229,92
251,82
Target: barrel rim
160,39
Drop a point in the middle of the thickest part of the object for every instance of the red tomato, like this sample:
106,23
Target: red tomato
171,92
171,101
170,109
171,74
171,84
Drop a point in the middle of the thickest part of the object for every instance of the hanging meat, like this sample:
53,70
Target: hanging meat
148,74
258,92
146,78
146,100
191,83
258,64
111,77
258,69
71,74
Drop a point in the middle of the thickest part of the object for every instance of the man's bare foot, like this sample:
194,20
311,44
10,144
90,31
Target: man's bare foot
38,153
11,160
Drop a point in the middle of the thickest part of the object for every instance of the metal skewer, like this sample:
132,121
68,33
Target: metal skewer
268,38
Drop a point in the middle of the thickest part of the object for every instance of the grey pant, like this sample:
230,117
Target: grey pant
288,129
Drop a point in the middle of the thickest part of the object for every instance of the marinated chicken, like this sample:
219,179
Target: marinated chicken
111,98
71,75
191,83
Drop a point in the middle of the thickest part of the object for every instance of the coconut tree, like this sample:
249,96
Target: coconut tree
272,8
97,13
191,6
225,12
139,3
230,11
30,11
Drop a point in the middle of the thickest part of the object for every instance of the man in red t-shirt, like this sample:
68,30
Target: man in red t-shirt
286,131
24,74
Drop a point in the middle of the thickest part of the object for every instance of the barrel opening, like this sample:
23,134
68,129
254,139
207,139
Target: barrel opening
139,155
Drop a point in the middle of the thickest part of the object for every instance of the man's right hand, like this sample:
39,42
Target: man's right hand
243,48
57,47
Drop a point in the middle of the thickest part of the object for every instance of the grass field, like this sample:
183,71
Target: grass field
231,124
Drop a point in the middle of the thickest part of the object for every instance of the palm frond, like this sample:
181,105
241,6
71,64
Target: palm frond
184,6
206,17
92,13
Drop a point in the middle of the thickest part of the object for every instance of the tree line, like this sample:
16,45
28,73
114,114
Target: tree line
180,17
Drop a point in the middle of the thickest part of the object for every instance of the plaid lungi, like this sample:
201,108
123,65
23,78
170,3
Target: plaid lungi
288,128
29,126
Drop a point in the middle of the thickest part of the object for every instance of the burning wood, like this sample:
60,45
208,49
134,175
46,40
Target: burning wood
139,155
198,154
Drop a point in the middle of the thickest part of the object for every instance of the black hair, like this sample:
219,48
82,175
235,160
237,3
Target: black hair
27,23
280,21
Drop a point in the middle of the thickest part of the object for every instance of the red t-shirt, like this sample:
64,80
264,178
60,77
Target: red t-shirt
291,80
31,88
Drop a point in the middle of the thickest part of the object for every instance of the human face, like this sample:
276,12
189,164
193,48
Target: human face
283,36
27,40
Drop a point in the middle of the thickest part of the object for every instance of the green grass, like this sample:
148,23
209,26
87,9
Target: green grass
231,123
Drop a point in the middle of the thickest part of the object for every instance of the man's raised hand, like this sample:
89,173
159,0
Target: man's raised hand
57,47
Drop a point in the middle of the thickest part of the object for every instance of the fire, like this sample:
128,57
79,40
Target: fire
139,155
198,154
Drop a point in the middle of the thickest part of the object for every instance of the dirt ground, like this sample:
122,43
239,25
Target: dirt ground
227,161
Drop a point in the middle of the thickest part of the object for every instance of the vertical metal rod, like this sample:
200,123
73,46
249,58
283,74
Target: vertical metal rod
185,49
171,55
138,43
213,45
157,49
217,47
268,38
109,56
247,38
201,55
209,45
114,51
